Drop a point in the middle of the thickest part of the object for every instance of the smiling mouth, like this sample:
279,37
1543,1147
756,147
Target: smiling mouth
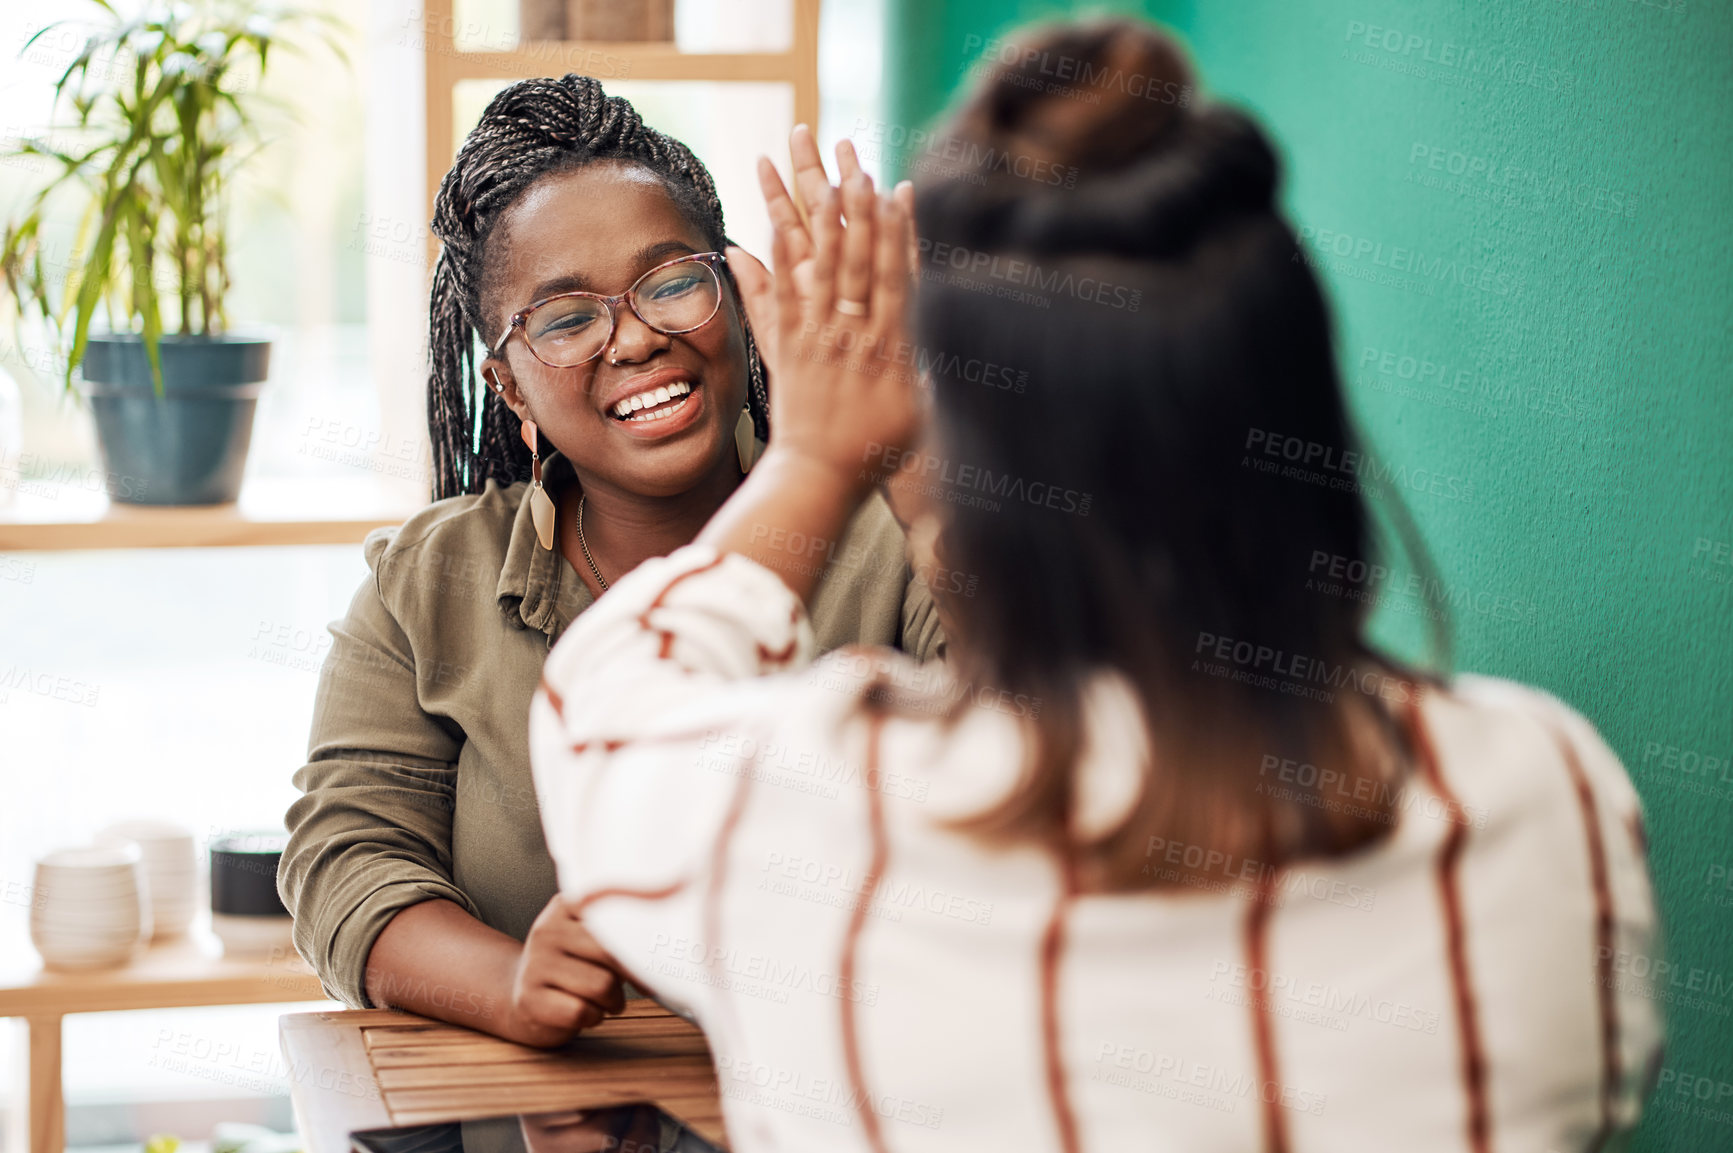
655,404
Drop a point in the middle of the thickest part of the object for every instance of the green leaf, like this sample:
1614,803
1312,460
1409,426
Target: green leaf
166,126
144,298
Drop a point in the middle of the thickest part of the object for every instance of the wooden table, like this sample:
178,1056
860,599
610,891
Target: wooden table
186,971
370,1069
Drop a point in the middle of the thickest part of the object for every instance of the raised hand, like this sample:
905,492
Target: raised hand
842,396
793,214
845,400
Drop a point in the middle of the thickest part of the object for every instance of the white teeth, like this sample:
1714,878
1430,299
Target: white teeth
659,414
625,408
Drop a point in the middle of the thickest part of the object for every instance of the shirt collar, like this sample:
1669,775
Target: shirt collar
538,589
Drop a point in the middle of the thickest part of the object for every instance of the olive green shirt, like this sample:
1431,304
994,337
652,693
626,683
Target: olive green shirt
417,784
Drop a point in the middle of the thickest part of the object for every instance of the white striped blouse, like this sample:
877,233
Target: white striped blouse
763,841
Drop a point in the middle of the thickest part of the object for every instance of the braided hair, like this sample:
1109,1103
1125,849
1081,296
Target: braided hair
533,129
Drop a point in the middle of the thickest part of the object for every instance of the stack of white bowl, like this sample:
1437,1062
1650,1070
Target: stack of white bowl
90,909
171,871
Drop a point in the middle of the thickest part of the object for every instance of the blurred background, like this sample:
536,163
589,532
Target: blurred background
1523,216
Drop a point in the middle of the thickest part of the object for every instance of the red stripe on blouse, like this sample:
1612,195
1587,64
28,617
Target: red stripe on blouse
558,702
1052,954
1611,1072
785,654
1275,1122
777,656
1461,981
667,635
851,938
661,894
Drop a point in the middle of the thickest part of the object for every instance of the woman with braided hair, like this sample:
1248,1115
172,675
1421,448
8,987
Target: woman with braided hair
616,401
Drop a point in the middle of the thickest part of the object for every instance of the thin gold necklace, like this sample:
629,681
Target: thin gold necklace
585,545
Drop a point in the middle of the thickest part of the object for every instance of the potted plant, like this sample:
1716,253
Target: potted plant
164,113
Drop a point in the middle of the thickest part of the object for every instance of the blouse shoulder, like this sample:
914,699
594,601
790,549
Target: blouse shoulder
470,521
1511,714
444,563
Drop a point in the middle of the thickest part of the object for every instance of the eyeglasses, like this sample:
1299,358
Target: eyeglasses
573,327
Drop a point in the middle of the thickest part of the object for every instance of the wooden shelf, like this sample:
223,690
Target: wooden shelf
188,970
269,513
625,60
446,65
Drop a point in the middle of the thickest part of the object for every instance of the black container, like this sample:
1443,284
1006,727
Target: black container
244,874
189,445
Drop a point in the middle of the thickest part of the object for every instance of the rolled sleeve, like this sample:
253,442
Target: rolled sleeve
371,834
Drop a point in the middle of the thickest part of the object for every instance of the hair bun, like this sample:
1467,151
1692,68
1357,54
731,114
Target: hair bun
1109,108
1092,95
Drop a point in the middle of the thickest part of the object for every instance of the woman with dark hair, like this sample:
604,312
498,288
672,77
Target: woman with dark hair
1169,856
619,401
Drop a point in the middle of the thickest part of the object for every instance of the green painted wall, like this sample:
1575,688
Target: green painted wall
1525,214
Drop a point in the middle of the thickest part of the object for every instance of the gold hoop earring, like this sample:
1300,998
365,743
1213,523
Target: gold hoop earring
541,504
746,441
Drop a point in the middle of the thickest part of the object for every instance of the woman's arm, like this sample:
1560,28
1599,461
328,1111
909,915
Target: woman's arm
371,833
368,873
437,960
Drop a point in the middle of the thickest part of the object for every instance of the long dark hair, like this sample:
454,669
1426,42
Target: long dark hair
1115,244
530,130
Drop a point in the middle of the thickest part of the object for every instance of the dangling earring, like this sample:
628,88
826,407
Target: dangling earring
746,441
541,504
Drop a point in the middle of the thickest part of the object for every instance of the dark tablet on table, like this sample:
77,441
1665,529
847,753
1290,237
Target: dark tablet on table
620,1129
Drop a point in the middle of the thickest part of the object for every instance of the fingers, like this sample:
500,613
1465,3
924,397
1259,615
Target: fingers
810,182
557,1013
574,961
757,296
785,294
828,236
854,282
890,264
562,954
585,976
750,275
586,950
904,195
785,218
847,163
